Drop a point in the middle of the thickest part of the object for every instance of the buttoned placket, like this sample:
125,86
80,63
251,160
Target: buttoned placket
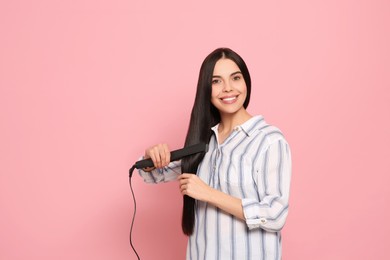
217,160
215,165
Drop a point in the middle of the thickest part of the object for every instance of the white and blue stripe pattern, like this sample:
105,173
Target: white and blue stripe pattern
254,164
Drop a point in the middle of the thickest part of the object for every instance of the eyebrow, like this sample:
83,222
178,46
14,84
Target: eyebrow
234,73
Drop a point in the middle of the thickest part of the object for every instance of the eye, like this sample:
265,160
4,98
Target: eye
237,77
215,81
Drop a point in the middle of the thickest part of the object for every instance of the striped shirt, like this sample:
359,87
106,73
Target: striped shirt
253,164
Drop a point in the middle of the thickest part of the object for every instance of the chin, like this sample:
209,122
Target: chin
231,110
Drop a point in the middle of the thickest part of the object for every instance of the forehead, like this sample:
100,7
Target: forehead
225,67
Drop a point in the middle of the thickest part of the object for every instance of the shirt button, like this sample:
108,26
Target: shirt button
237,128
263,221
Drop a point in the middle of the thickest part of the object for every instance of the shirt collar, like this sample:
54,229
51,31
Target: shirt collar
248,127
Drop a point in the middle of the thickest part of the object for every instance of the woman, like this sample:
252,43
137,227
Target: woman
236,194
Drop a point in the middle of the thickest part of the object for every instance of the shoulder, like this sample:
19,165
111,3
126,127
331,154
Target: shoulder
270,133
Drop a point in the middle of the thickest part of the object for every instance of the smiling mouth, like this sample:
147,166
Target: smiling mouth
229,98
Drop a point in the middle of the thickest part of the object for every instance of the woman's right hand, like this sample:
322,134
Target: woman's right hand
160,155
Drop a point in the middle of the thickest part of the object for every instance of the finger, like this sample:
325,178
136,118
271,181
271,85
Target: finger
158,156
152,157
167,154
155,156
184,176
163,154
183,189
187,175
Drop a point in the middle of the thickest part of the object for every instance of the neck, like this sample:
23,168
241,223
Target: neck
229,121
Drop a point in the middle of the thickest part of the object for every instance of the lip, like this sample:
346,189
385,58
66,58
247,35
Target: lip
229,99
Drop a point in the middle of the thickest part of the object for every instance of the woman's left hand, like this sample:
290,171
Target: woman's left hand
191,185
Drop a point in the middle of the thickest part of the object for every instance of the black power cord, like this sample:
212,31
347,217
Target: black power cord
135,209
175,155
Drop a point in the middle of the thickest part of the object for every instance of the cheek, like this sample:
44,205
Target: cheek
244,91
245,88
214,92
214,96
242,88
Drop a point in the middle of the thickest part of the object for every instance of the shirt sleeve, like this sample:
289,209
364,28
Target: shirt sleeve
168,173
273,175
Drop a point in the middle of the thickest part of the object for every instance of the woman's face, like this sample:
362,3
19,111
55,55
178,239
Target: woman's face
228,88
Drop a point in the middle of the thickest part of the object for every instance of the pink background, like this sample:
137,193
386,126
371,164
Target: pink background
87,85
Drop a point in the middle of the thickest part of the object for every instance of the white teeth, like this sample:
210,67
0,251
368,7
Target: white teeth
229,99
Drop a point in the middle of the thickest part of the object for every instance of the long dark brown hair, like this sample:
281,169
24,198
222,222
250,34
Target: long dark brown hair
205,115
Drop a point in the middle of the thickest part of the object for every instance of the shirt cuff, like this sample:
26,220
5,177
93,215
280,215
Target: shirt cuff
251,214
168,173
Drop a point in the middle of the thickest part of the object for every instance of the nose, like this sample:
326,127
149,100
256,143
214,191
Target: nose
227,87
